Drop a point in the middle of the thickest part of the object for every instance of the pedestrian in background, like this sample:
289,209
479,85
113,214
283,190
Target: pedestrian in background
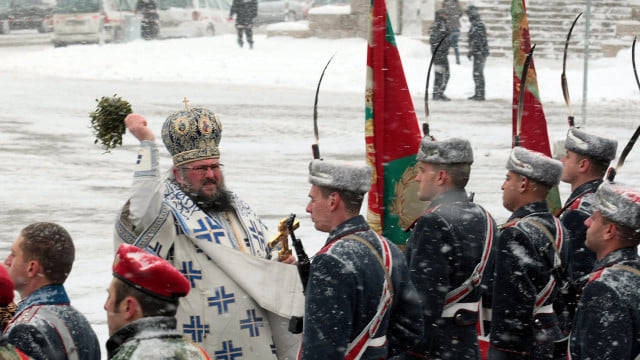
478,50
454,12
439,32
245,11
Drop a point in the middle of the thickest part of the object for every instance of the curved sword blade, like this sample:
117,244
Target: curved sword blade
563,77
523,86
425,125
316,147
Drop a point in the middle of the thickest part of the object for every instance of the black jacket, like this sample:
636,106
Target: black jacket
343,293
438,32
607,323
445,246
521,272
245,11
478,45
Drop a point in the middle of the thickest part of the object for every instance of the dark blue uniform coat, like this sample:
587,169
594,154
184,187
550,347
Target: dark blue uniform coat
343,293
607,323
520,273
444,248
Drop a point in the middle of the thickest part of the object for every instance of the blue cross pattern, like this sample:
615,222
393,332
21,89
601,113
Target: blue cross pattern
256,233
228,352
195,329
156,248
252,323
139,159
190,273
210,231
221,300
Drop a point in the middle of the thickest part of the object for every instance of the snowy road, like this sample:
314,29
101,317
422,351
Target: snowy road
50,170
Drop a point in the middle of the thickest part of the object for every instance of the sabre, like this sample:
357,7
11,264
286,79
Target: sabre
523,85
627,149
425,125
315,148
563,77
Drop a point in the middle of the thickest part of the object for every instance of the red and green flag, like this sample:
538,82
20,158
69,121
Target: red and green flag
392,133
533,135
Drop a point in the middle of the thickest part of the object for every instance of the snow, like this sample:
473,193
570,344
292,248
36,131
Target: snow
51,171
302,25
331,10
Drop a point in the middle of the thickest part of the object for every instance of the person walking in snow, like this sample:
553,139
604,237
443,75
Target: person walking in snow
46,326
478,50
607,322
438,32
524,324
454,12
245,11
360,302
447,251
143,299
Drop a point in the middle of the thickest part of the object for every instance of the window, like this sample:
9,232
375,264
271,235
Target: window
77,6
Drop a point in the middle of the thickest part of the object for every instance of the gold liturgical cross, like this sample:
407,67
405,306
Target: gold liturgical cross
186,104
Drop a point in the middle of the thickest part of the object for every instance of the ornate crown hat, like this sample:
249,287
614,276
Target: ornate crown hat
192,134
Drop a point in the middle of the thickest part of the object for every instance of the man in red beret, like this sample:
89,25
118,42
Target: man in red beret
141,308
7,309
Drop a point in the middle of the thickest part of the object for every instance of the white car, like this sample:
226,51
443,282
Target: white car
186,18
91,21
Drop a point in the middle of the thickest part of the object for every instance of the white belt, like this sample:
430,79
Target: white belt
379,341
450,311
547,309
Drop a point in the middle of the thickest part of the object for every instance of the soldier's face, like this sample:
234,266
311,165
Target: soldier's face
571,163
115,317
427,181
203,177
16,265
597,229
320,209
511,191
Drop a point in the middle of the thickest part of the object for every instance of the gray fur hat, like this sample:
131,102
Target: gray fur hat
535,166
593,146
619,203
450,151
344,177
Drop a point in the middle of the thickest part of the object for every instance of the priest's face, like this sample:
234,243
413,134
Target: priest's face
202,177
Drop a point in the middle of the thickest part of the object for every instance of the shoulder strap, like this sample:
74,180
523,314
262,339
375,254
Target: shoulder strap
628,268
377,255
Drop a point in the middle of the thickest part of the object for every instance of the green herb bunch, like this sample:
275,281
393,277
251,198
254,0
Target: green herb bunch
107,121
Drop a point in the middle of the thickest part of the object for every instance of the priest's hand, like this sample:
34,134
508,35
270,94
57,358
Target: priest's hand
137,125
289,260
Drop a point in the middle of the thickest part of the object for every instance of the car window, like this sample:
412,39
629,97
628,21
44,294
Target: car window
165,4
77,6
127,5
213,4
224,4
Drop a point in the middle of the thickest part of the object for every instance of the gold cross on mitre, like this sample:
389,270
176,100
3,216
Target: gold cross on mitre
186,103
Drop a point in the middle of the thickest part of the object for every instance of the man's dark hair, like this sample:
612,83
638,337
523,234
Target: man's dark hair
51,245
459,173
151,306
598,167
352,200
627,235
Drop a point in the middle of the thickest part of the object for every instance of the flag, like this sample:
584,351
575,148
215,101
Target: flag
533,133
392,133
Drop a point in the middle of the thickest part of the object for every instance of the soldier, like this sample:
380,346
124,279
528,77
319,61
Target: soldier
141,308
607,322
46,326
584,165
447,251
360,302
524,324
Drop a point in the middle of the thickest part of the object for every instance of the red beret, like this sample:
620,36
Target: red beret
6,287
149,273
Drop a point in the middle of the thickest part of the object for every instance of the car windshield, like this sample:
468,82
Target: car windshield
77,6
166,4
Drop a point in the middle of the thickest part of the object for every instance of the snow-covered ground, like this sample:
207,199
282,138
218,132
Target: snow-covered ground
50,170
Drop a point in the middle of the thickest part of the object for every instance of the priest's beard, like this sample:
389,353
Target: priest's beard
220,201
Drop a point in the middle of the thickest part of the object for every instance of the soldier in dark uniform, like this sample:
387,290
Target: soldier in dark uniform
245,11
447,251
360,302
439,32
585,164
607,322
524,324
478,49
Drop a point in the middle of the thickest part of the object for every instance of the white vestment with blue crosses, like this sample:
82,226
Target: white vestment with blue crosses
217,314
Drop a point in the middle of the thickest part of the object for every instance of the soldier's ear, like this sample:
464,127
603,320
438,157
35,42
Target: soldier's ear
130,308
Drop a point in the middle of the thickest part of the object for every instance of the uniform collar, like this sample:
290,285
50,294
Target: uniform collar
588,187
616,256
451,196
134,328
46,295
353,225
530,208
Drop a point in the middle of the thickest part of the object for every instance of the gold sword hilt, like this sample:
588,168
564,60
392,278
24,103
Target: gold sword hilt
283,238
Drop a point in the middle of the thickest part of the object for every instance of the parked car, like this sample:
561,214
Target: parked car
186,18
91,21
270,11
25,14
